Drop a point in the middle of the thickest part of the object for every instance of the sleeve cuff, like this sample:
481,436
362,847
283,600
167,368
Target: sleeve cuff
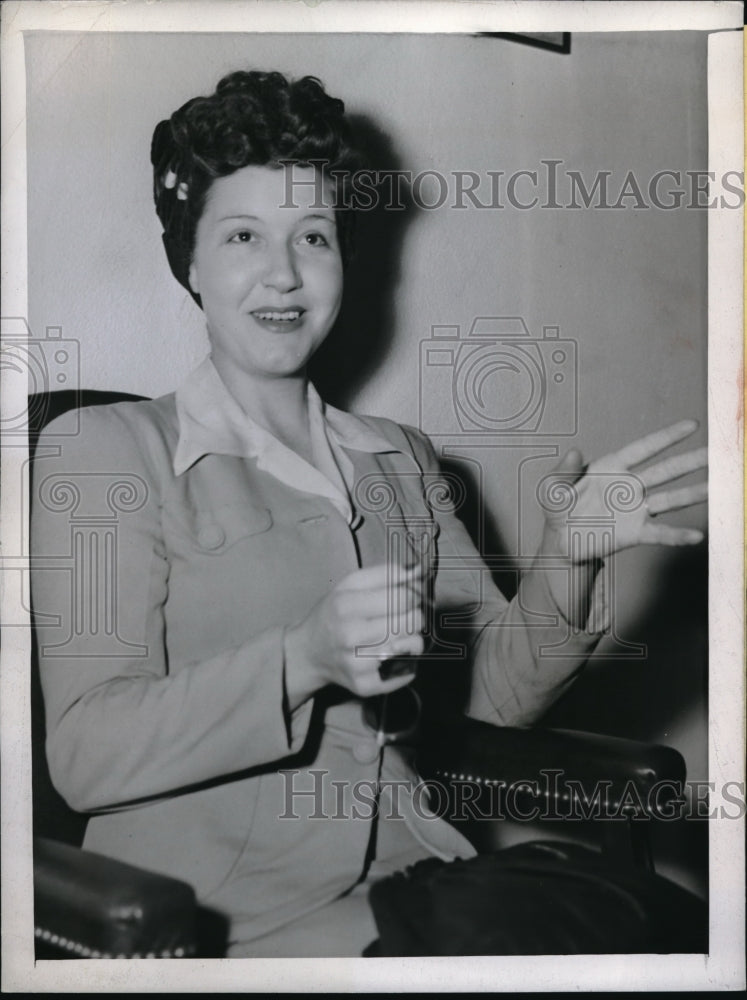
297,720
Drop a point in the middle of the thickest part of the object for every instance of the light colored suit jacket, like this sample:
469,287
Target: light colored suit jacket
162,601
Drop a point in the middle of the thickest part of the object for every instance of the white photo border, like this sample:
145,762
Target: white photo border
723,968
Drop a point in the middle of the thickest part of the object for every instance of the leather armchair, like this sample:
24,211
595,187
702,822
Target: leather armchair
90,906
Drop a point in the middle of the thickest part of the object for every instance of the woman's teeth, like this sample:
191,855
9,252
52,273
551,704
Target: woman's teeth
279,317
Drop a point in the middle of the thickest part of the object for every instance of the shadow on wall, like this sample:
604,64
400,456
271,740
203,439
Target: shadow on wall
363,335
641,699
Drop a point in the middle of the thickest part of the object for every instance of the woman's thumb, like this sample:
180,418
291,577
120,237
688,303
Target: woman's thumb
571,466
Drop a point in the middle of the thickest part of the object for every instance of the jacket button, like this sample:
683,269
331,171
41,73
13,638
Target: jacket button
366,752
211,536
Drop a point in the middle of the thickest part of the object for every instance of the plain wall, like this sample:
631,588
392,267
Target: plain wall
628,286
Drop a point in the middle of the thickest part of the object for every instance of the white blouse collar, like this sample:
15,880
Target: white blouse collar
212,422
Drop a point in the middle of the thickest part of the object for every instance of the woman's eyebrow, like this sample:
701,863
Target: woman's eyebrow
316,215
256,218
243,218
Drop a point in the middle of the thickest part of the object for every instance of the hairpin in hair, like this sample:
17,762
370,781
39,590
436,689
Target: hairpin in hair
169,180
181,192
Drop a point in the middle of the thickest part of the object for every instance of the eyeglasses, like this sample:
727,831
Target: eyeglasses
394,717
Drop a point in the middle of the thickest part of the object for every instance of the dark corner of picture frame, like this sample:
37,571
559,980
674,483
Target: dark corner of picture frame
552,41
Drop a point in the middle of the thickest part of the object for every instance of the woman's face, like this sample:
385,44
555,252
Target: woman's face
269,274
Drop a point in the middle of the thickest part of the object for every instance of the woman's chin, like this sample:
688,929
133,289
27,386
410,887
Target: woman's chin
281,369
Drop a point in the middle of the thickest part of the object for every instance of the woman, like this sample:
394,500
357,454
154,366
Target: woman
226,735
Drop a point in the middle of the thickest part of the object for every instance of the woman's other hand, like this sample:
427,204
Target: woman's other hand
592,512
372,615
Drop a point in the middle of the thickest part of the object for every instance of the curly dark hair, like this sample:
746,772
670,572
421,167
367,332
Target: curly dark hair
253,119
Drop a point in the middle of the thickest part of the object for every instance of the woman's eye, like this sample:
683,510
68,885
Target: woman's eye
243,237
315,240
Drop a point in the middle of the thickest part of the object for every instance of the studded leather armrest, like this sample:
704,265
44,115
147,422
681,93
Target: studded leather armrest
554,764
90,906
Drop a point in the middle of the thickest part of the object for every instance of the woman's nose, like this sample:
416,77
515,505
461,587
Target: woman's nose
281,271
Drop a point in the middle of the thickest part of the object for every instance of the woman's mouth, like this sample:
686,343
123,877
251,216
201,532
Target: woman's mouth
279,320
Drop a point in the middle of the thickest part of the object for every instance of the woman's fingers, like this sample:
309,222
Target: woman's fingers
366,676
382,575
646,447
665,534
673,468
386,590
387,636
371,615
370,685
686,496
396,683
388,602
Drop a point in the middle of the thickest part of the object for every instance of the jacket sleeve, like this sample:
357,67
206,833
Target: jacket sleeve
523,653
124,722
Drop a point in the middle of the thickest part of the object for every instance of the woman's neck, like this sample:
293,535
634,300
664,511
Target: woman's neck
279,405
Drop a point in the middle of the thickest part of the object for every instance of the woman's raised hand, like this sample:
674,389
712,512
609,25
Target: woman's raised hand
340,640
595,511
